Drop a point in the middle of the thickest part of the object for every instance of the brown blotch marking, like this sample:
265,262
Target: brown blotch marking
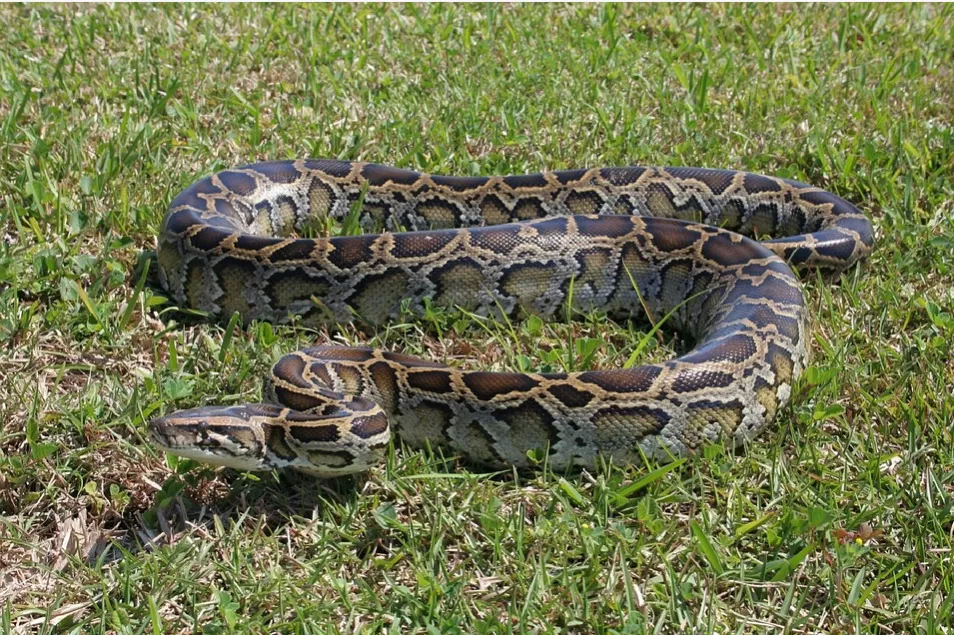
487,385
755,183
275,441
622,176
693,379
565,177
530,427
494,211
499,240
518,181
385,379
291,369
410,361
287,287
584,202
551,227
671,236
320,198
726,251
233,275
298,400
314,433
241,184
277,171
208,238
638,379
332,167
458,284
716,180
527,282
377,297
299,249
348,251
569,396
438,381
736,349
179,222
418,244
342,353
459,183
609,226
383,174
251,242
368,427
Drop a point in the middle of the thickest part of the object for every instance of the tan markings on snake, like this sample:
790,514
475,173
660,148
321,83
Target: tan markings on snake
620,238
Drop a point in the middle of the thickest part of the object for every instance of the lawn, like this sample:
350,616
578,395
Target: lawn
839,520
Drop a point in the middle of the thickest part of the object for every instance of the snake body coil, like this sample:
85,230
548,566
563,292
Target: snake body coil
613,239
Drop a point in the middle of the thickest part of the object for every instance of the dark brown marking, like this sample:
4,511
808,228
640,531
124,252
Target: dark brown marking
314,433
418,244
178,222
487,385
291,368
518,181
670,237
499,239
241,184
297,400
755,183
275,440
622,176
368,427
570,396
378,175
565,177
350,251
430,381
629,380
331,167
609,226
724,250
716,180
459,183
693,379
300,249
736,348
277,171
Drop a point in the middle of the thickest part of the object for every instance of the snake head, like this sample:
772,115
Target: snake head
231,436
258,437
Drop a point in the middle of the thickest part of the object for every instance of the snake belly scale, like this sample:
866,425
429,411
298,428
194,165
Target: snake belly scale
667,239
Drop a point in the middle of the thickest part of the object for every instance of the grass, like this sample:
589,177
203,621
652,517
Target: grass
840,521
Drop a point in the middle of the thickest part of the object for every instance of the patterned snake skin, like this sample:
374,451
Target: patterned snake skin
621,238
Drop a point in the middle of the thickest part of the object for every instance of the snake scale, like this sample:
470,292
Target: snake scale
626,241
